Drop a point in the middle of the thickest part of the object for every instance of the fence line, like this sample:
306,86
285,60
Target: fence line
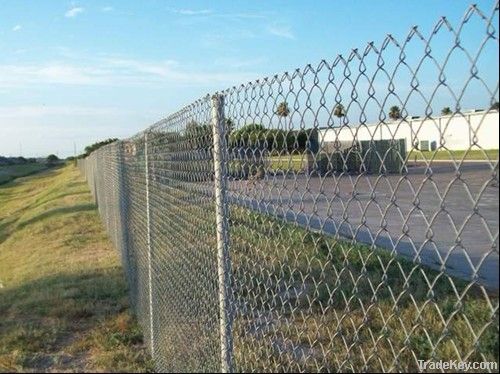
308,222
148,218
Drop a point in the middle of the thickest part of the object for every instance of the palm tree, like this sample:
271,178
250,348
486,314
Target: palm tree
283,109
339,111
446,111
394,112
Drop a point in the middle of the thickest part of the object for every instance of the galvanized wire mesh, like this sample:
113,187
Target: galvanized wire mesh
328,219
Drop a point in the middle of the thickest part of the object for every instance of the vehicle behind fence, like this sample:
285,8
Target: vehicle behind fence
335,218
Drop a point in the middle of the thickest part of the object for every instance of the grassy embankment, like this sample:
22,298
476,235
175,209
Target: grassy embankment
63,297
10,172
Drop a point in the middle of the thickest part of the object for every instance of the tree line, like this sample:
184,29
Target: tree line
256,135
95,146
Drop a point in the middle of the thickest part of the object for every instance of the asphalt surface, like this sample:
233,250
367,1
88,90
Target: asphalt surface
444,217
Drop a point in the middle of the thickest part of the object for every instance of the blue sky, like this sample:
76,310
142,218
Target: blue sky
80,71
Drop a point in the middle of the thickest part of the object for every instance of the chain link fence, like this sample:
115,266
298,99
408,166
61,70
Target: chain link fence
336,218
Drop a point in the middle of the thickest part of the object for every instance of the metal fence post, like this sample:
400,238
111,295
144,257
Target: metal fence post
116,196
123,214
94,179
223,260
148,222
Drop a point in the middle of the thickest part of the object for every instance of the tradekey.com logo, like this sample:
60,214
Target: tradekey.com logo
456,365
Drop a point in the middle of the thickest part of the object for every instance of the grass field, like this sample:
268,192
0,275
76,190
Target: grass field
63,296
296,163
10,172
475,154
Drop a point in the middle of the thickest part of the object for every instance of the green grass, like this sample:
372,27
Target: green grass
63,296
475,154
295,163
332,305
10,172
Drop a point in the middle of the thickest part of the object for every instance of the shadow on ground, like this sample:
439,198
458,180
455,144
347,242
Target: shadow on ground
56,212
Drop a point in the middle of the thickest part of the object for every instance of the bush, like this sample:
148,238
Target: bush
52,159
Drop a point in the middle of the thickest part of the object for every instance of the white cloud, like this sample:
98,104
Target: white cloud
283,31
107,9
55,73
211,13
112,71
192,12
17,28
223,40
38,111
242,15
238,63
160,69
73,12
169,70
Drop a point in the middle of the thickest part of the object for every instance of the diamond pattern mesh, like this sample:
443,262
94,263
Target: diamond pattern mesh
359,219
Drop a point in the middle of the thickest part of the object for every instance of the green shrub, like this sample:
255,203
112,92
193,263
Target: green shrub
52,159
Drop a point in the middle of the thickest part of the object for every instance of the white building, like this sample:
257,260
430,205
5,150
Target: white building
457,132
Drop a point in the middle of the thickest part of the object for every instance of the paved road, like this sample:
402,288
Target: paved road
440,215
